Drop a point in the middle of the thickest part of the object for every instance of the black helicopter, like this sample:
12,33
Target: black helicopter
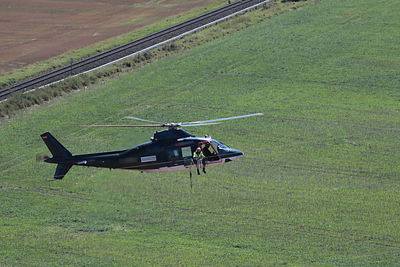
168,150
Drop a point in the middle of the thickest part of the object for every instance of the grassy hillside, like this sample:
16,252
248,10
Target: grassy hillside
319,183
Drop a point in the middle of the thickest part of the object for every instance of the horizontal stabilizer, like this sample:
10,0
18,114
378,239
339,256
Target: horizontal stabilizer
62,170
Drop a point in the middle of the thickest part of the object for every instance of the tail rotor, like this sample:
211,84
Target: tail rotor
41,157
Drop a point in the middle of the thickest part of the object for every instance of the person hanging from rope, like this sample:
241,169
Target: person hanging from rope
198,158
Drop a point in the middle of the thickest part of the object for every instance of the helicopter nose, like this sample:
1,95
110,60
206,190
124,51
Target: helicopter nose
233,154
236,153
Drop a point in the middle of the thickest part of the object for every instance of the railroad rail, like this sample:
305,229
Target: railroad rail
130,48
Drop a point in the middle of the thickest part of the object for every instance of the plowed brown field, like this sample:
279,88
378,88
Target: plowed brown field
31,31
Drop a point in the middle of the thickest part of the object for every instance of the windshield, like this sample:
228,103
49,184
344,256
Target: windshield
219,146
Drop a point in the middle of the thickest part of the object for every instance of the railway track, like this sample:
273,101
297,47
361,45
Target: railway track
130,48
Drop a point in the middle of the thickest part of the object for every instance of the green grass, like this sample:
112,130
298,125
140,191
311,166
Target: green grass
319,183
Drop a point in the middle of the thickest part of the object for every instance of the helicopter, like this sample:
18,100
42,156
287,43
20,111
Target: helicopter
168,150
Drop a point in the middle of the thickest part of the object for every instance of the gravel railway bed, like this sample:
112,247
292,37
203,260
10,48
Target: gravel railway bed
125,50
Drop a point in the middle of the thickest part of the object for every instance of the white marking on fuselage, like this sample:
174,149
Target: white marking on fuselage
148,158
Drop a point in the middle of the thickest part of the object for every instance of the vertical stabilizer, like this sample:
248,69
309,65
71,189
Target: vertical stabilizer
55,147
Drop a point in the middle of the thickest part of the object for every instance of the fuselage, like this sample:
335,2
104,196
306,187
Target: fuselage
169,150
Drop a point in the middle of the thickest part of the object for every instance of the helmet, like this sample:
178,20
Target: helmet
198,149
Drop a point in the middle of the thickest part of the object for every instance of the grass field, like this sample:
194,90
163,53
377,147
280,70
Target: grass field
319,183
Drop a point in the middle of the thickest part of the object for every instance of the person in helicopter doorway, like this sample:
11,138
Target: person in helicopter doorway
198,157
206,151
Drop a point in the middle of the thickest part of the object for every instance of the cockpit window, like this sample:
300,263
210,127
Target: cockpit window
219,146
209,152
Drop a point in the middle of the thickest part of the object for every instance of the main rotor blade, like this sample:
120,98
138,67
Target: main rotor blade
146,125
225,119
198,124
174,125
139,119
154,125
